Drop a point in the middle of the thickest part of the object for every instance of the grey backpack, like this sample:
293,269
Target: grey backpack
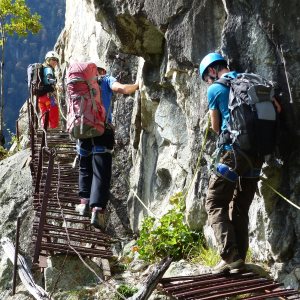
253,123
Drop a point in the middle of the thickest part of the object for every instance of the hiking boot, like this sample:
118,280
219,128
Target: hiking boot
233,264
98,219
224,267
83,209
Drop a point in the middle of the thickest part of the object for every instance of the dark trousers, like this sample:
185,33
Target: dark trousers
228,204
94,173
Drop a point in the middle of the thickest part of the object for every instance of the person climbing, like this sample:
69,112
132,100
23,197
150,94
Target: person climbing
47,96
232,186
95,156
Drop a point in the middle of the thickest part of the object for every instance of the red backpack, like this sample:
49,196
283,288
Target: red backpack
86,113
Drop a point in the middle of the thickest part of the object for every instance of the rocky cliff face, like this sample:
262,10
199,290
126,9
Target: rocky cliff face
15,201
161,129
162,43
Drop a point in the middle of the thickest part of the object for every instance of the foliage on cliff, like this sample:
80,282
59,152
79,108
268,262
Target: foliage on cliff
168,236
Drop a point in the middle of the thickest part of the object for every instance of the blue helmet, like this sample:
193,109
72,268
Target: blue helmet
208,60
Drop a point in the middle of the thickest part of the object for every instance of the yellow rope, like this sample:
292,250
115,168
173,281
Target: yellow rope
58,96
146,207
263,179
136,196
279,194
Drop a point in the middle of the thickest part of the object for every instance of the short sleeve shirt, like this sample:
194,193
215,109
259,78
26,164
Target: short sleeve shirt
218,96
107,93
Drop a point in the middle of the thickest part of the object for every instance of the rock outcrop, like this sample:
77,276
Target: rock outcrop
15,201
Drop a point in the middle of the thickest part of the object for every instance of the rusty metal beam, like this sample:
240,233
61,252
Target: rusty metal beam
79,232
61,219
212,282
16,256
63,248
76,238
44,208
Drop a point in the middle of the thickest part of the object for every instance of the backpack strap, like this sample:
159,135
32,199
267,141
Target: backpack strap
108,111
224,81
88,81
216,156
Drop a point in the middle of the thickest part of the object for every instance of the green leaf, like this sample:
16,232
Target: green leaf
17,18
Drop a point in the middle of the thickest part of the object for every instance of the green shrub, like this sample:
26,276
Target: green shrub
3,153
126,291
168,236
210,256
249,256
205,256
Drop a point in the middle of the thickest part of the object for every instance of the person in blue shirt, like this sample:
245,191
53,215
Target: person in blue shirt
233,184
47,94
95,156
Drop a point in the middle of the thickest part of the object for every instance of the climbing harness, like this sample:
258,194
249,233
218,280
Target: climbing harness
95,150
252,173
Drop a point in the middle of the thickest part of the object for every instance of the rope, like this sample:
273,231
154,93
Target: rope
135,193
143,204
39,118
279,194
263,179
110,286
34,108
286,75
58,94
197,168
59,275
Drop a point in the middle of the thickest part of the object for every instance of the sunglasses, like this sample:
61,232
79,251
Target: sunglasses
55,59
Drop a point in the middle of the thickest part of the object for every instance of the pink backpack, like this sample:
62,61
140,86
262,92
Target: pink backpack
86,113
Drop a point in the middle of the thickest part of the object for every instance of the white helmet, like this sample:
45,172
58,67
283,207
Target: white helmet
99,64
51,54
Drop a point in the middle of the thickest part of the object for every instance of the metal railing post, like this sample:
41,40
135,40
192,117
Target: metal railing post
44,206
16,256
40,162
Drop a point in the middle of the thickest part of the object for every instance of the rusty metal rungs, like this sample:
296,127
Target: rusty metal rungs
75,238
86,251
244,285
48,234
78,231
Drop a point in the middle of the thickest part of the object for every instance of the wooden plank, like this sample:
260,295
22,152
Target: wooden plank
24,272
152,280
105,266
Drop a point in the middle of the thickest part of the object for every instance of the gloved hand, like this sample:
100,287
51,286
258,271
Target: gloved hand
224,139
52,101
